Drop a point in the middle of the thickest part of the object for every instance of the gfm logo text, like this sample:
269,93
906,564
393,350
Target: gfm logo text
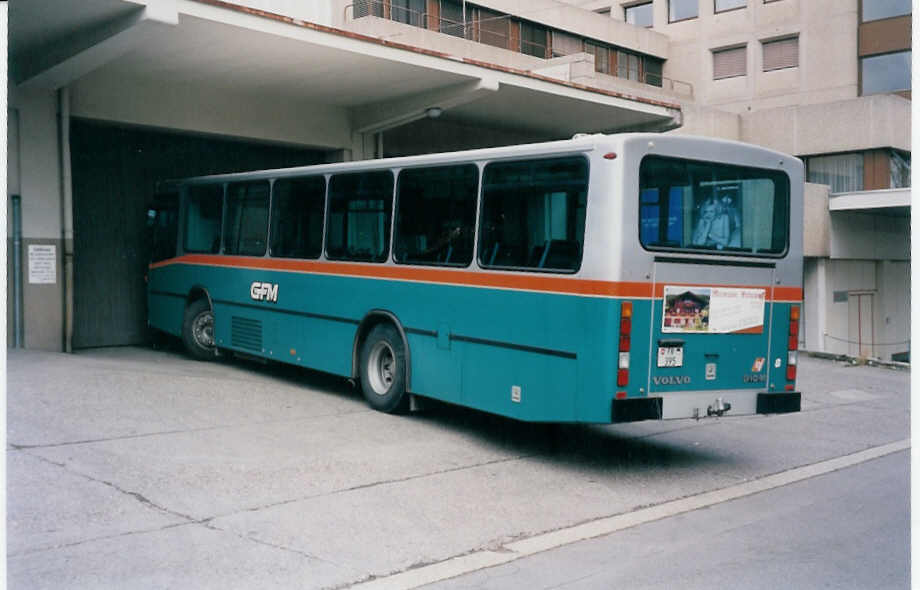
264,291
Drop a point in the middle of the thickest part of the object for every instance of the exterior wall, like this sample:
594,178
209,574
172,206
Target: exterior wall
817,240
821,76
892,332
710,122
877,121
38,181
869,236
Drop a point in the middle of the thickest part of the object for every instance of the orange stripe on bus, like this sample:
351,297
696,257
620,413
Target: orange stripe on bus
551,284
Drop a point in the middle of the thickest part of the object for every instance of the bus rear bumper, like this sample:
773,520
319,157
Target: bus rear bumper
704,404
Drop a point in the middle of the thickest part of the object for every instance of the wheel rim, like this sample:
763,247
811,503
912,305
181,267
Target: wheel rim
203,329
381,367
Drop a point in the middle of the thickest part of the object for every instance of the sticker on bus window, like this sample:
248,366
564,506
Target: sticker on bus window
713,310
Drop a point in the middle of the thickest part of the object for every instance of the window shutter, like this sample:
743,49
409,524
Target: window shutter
565,44
782,53
727,63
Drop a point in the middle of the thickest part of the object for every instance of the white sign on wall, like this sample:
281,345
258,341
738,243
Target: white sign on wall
42,264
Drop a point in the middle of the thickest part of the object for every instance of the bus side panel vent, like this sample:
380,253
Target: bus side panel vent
246,333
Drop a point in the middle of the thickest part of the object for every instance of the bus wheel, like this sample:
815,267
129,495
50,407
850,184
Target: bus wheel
198,330
382,368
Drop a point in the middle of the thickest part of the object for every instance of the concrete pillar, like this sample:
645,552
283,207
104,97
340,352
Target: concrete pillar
821,294
39,180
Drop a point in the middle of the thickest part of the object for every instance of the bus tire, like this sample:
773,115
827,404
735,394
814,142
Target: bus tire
382,369
198,330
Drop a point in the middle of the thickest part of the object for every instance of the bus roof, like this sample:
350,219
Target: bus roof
580,143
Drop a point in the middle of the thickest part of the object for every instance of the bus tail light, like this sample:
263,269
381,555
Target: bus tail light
625,329
791,364
792,361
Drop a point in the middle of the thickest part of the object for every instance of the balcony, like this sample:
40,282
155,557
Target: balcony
504,40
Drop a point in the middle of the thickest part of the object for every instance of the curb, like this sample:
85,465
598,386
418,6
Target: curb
854,360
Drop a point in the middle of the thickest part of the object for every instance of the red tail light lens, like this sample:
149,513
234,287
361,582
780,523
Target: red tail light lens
794,312
626,310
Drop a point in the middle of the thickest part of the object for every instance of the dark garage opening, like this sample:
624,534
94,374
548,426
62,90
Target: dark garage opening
115,171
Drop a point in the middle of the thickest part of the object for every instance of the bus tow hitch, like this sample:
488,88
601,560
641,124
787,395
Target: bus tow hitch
718,408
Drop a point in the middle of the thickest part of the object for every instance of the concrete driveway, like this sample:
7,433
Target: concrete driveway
135,468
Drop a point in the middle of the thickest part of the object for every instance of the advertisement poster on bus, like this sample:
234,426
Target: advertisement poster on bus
713,310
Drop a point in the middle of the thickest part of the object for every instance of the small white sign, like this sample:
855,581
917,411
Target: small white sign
710,371
516,394
42,264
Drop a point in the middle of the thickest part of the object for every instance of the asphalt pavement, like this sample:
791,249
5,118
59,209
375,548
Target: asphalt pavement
134,468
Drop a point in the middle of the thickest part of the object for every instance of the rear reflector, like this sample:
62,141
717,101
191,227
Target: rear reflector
622,377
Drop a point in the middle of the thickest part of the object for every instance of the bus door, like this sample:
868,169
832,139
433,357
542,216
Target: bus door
710,326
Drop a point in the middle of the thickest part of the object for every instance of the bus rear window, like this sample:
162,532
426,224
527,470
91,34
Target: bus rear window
714,208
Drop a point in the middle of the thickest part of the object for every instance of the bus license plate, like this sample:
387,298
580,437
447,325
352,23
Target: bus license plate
670,356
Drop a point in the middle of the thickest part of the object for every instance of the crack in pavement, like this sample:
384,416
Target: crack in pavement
136,495
209,525
22,447
35,550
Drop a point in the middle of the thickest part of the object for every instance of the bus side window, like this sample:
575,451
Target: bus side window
360,206
203,218
298,205
247,218
435,215
163,219
533,214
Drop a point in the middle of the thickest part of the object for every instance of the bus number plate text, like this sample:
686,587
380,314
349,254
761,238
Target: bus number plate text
670,356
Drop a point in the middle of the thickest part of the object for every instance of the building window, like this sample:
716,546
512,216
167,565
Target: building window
682,10
780,53
653,69
639,15
601,57
533,40
900,168
879,9
452,18
368,8
408,11
723,5
566,44
844,173
728,63
492,28
885,73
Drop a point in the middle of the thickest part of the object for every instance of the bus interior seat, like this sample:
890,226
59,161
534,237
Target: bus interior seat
561,254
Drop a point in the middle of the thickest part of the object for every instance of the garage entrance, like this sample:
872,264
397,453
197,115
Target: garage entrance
115,171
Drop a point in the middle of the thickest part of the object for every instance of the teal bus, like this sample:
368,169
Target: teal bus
602,279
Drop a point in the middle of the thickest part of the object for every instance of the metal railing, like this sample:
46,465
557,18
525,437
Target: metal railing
473,30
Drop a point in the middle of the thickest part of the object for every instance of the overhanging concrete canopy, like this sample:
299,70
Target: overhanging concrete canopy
224,47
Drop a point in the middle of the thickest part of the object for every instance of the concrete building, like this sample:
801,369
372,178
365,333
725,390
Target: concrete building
109,96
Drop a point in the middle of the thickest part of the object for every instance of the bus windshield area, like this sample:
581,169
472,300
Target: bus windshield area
712,208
